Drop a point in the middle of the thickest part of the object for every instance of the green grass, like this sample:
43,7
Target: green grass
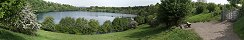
239,27
144,32
204,17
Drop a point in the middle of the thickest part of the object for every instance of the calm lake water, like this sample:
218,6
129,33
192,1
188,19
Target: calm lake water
100,16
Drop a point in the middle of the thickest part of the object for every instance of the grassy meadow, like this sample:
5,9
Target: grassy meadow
144,32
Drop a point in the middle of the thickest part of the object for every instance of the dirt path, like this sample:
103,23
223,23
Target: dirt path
215,31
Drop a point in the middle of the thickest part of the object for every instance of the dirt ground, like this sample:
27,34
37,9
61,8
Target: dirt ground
215,30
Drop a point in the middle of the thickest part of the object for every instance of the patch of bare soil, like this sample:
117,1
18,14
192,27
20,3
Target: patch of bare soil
215,31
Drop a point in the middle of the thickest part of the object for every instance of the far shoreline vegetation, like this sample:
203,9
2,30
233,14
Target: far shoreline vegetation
153,22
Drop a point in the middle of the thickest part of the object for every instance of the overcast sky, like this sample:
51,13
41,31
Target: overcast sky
117,3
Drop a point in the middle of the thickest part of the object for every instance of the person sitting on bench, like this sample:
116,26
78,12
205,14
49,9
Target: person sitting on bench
188,25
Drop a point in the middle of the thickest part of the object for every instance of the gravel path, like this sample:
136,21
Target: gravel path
215,31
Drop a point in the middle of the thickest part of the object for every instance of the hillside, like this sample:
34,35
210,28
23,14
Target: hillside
143,32
43,6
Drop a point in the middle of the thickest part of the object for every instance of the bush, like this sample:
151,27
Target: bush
94,24
106,27
140,19
48,24
67,25
82,26
120,24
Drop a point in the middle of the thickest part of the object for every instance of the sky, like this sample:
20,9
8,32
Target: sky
118,3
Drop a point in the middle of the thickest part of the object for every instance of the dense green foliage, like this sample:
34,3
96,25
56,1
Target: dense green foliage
241,13
83,26
172,12
201,7
204,17
140,10
205,12
106,27
120,24
66,25
234,2
43,6
94,24
15,6
145,14
238,28
140,19
127,10
144,32
238,25
214,9
17,16
48,24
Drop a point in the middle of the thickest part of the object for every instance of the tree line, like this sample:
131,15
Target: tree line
40,6
84,26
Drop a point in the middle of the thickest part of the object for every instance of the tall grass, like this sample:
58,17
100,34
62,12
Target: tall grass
204,17
239,27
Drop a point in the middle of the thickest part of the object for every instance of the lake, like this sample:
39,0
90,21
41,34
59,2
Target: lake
100,16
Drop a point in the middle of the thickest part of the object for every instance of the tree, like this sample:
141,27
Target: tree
48,24
120,24
140,19
1,13
94,24
18,16
212,7
241,13
82,26
172,12
234,2
201,7
43,6
106,27
66,25
217,10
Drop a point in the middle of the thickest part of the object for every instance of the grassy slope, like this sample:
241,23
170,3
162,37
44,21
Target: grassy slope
205,17
144,33
239,27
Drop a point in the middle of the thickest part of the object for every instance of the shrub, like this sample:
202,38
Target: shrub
67,25
140,19
94,24
120,24
48,24
106,27
82,26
